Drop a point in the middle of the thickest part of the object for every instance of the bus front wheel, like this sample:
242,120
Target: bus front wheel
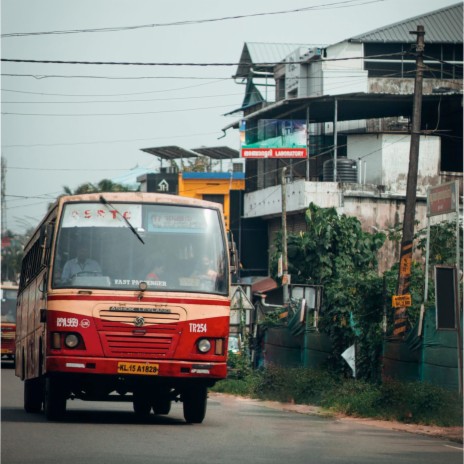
194,400
162,403
141,404
54,398
33,395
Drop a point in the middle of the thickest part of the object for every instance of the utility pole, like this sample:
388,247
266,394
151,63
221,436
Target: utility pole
285,276
3,201
404,277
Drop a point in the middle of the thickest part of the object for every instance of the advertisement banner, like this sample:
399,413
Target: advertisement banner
274,138
274,153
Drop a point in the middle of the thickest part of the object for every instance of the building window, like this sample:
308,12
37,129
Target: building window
215,198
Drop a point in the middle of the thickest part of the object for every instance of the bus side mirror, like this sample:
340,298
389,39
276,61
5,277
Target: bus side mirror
232,254
46,236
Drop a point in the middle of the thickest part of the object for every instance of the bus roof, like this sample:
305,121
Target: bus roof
144,197
9,285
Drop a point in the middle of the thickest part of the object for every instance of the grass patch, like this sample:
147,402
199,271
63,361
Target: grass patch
415,402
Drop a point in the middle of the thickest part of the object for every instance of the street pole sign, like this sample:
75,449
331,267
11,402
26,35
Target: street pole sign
442,199
402,301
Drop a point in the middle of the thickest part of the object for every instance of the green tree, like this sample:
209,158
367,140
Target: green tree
442,243
335,252
12,254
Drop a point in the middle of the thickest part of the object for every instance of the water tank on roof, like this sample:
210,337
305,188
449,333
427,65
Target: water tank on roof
347,170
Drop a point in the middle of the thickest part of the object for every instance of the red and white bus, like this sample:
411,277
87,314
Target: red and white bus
124,297
9,292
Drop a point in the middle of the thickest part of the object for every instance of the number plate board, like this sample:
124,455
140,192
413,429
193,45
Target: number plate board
138,368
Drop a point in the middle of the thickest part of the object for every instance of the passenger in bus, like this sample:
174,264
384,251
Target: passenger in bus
80,264
205,269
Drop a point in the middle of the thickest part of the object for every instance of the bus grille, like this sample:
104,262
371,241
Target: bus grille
110,319
139,334
140,346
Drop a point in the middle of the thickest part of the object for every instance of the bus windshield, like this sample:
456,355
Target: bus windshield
118,246
9,305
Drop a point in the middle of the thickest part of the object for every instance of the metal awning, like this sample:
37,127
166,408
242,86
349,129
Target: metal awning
356,106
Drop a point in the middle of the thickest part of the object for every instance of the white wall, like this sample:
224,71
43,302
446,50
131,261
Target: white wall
320,77
268,201
344,50
386,158
376,210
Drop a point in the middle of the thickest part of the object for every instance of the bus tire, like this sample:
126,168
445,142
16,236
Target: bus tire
33,395
142,406
194,401
162,404
54,399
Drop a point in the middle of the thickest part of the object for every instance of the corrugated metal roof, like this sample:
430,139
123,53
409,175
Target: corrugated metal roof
441,26
355,106
172,152
260,52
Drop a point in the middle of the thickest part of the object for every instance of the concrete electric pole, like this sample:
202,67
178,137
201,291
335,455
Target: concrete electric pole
285,276
404,276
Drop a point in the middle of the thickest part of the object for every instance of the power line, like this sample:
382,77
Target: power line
188,64
110,95
64,170
62,76
140,113
120,101
96,142
342,4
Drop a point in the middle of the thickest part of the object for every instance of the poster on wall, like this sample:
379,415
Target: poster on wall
274,138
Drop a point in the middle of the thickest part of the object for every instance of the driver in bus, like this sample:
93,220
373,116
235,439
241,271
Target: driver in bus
80,264
156,273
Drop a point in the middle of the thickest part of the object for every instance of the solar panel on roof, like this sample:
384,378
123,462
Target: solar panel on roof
170,152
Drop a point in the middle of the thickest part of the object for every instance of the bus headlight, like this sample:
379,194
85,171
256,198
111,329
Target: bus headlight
204,345
71,340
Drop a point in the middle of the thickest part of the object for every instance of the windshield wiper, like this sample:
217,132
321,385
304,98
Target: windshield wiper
131,227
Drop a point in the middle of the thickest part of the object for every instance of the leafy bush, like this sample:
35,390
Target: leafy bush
414,402
353,398
238,364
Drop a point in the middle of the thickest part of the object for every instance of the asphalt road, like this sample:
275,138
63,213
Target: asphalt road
235,431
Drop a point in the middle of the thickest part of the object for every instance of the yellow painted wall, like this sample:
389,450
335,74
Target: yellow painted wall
196,188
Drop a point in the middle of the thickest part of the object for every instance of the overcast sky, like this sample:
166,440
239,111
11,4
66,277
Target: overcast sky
63,125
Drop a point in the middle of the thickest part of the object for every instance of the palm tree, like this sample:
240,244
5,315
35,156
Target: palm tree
105,185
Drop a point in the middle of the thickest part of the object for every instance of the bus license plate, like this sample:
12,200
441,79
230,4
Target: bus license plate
138,368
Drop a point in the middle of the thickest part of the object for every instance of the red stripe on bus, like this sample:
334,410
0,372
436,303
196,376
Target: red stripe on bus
134,298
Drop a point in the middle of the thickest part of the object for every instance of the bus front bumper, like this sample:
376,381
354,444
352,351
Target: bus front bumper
159,368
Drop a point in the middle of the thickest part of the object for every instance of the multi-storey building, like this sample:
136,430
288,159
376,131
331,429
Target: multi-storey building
354,100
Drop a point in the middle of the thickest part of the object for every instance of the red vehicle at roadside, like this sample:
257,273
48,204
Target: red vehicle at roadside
9,294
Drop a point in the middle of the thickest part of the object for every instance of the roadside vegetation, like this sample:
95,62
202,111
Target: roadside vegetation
337,254
415,402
